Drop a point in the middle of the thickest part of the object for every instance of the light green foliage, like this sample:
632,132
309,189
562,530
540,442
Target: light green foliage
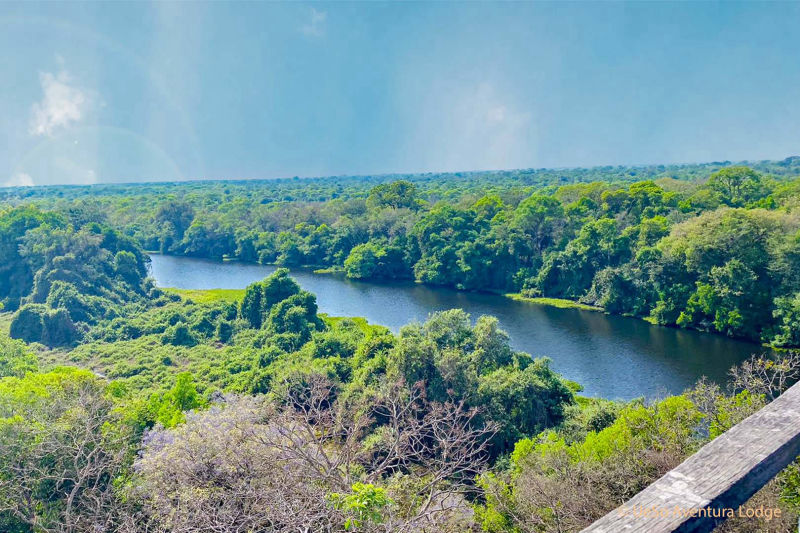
365,504
553,484
736,185
16,359
397,194
169,409
209,296
61,445
587,415
668,425
730,410
554,302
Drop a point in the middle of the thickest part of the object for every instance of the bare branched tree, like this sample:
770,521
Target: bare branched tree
259,465
770,376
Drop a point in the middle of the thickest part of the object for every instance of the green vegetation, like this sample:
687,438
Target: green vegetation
128,408
710,247
554,302
62,280
209,296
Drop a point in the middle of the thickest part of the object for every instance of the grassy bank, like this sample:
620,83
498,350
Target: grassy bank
207,296
328,270
5,321
554,302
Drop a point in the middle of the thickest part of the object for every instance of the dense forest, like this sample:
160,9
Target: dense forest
709,247
131,408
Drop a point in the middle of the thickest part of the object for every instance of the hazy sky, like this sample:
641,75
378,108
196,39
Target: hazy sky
102,92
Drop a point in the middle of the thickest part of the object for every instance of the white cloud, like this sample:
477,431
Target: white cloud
20,179
62,105
315,27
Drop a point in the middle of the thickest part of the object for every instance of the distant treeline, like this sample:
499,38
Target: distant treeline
434,185
711,247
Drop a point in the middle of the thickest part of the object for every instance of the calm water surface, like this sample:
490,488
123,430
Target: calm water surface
612,357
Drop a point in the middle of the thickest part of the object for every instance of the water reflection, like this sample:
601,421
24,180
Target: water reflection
613,357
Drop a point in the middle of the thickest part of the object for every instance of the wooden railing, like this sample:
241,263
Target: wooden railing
705,489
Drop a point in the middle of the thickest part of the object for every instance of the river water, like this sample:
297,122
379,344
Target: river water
612,357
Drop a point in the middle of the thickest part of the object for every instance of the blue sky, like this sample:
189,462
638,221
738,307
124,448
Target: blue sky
104,92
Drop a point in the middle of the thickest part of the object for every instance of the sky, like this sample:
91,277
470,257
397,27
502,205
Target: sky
117,92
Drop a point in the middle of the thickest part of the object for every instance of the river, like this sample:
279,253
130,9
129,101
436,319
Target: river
612,357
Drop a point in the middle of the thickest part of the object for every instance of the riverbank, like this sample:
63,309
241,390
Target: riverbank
610,355
231,295
557,303
553,302
205,296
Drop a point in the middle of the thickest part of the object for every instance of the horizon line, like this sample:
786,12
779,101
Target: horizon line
726,162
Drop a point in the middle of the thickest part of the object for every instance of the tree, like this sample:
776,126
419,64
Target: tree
260,297
38,323
569,273
58,329
179,335
737,185
81,308
615,290
16,274
313,463
172,218
540,220
554,486
730,302
787,312
727,259
169,409
365,504
375,260
397,194
62,444
126,267
27,323
440,234
15,358
295,316
458,362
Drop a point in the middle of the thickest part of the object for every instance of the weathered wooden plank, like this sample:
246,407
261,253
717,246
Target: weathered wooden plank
716,480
